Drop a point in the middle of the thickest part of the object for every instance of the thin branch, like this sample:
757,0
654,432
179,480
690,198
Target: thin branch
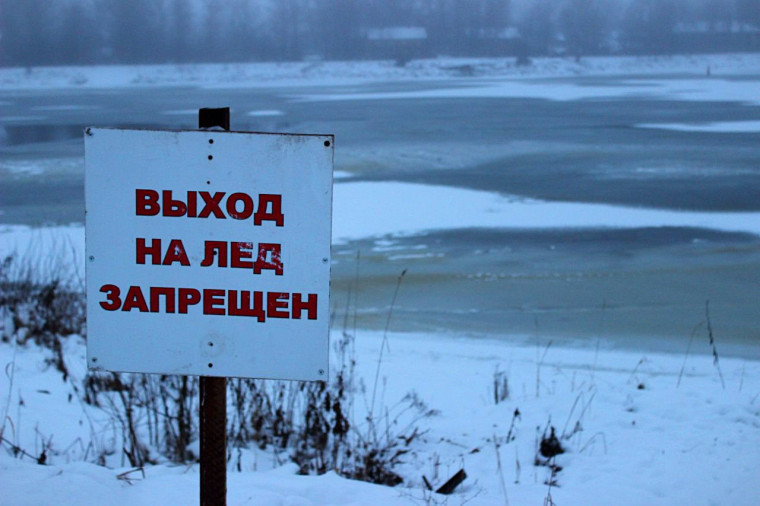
384,343
712,343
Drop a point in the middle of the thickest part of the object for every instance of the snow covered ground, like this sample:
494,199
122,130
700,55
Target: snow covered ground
633,435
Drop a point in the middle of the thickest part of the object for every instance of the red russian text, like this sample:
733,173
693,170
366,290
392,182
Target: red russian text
135,300
112,302
174,253
263,213
251,304
268,256
211,301
203,204
299,305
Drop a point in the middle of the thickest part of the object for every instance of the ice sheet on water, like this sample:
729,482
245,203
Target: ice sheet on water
718,90
266,113
247,75
64,107
363,209
379,209
750,126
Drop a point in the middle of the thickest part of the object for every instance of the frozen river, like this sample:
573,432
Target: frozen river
646,185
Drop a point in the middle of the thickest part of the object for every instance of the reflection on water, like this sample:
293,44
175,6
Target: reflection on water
15,135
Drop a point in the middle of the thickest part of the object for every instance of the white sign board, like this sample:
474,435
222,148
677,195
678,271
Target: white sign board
208,252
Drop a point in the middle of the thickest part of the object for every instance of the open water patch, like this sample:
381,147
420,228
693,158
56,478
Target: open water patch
15,135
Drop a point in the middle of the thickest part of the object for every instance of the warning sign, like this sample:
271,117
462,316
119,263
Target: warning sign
208,252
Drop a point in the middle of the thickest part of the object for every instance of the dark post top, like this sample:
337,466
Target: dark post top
210,118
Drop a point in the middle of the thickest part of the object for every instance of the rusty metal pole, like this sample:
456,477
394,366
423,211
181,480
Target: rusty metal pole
213,441
213,391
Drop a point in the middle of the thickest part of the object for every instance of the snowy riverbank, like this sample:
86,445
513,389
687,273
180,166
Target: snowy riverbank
337,72
640,428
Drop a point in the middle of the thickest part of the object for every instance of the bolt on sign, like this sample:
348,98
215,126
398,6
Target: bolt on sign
208,252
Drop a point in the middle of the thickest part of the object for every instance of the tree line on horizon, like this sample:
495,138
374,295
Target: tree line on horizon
80,32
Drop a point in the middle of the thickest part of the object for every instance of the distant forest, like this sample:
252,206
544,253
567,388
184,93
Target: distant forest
74,32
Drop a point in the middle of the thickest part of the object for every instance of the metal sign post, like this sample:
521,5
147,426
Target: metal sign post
213,418
213,391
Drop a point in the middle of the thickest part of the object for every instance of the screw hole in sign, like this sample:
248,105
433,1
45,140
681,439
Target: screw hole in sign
327,144
210,365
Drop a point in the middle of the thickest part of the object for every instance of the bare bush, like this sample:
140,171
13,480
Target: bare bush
39,308
155,416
